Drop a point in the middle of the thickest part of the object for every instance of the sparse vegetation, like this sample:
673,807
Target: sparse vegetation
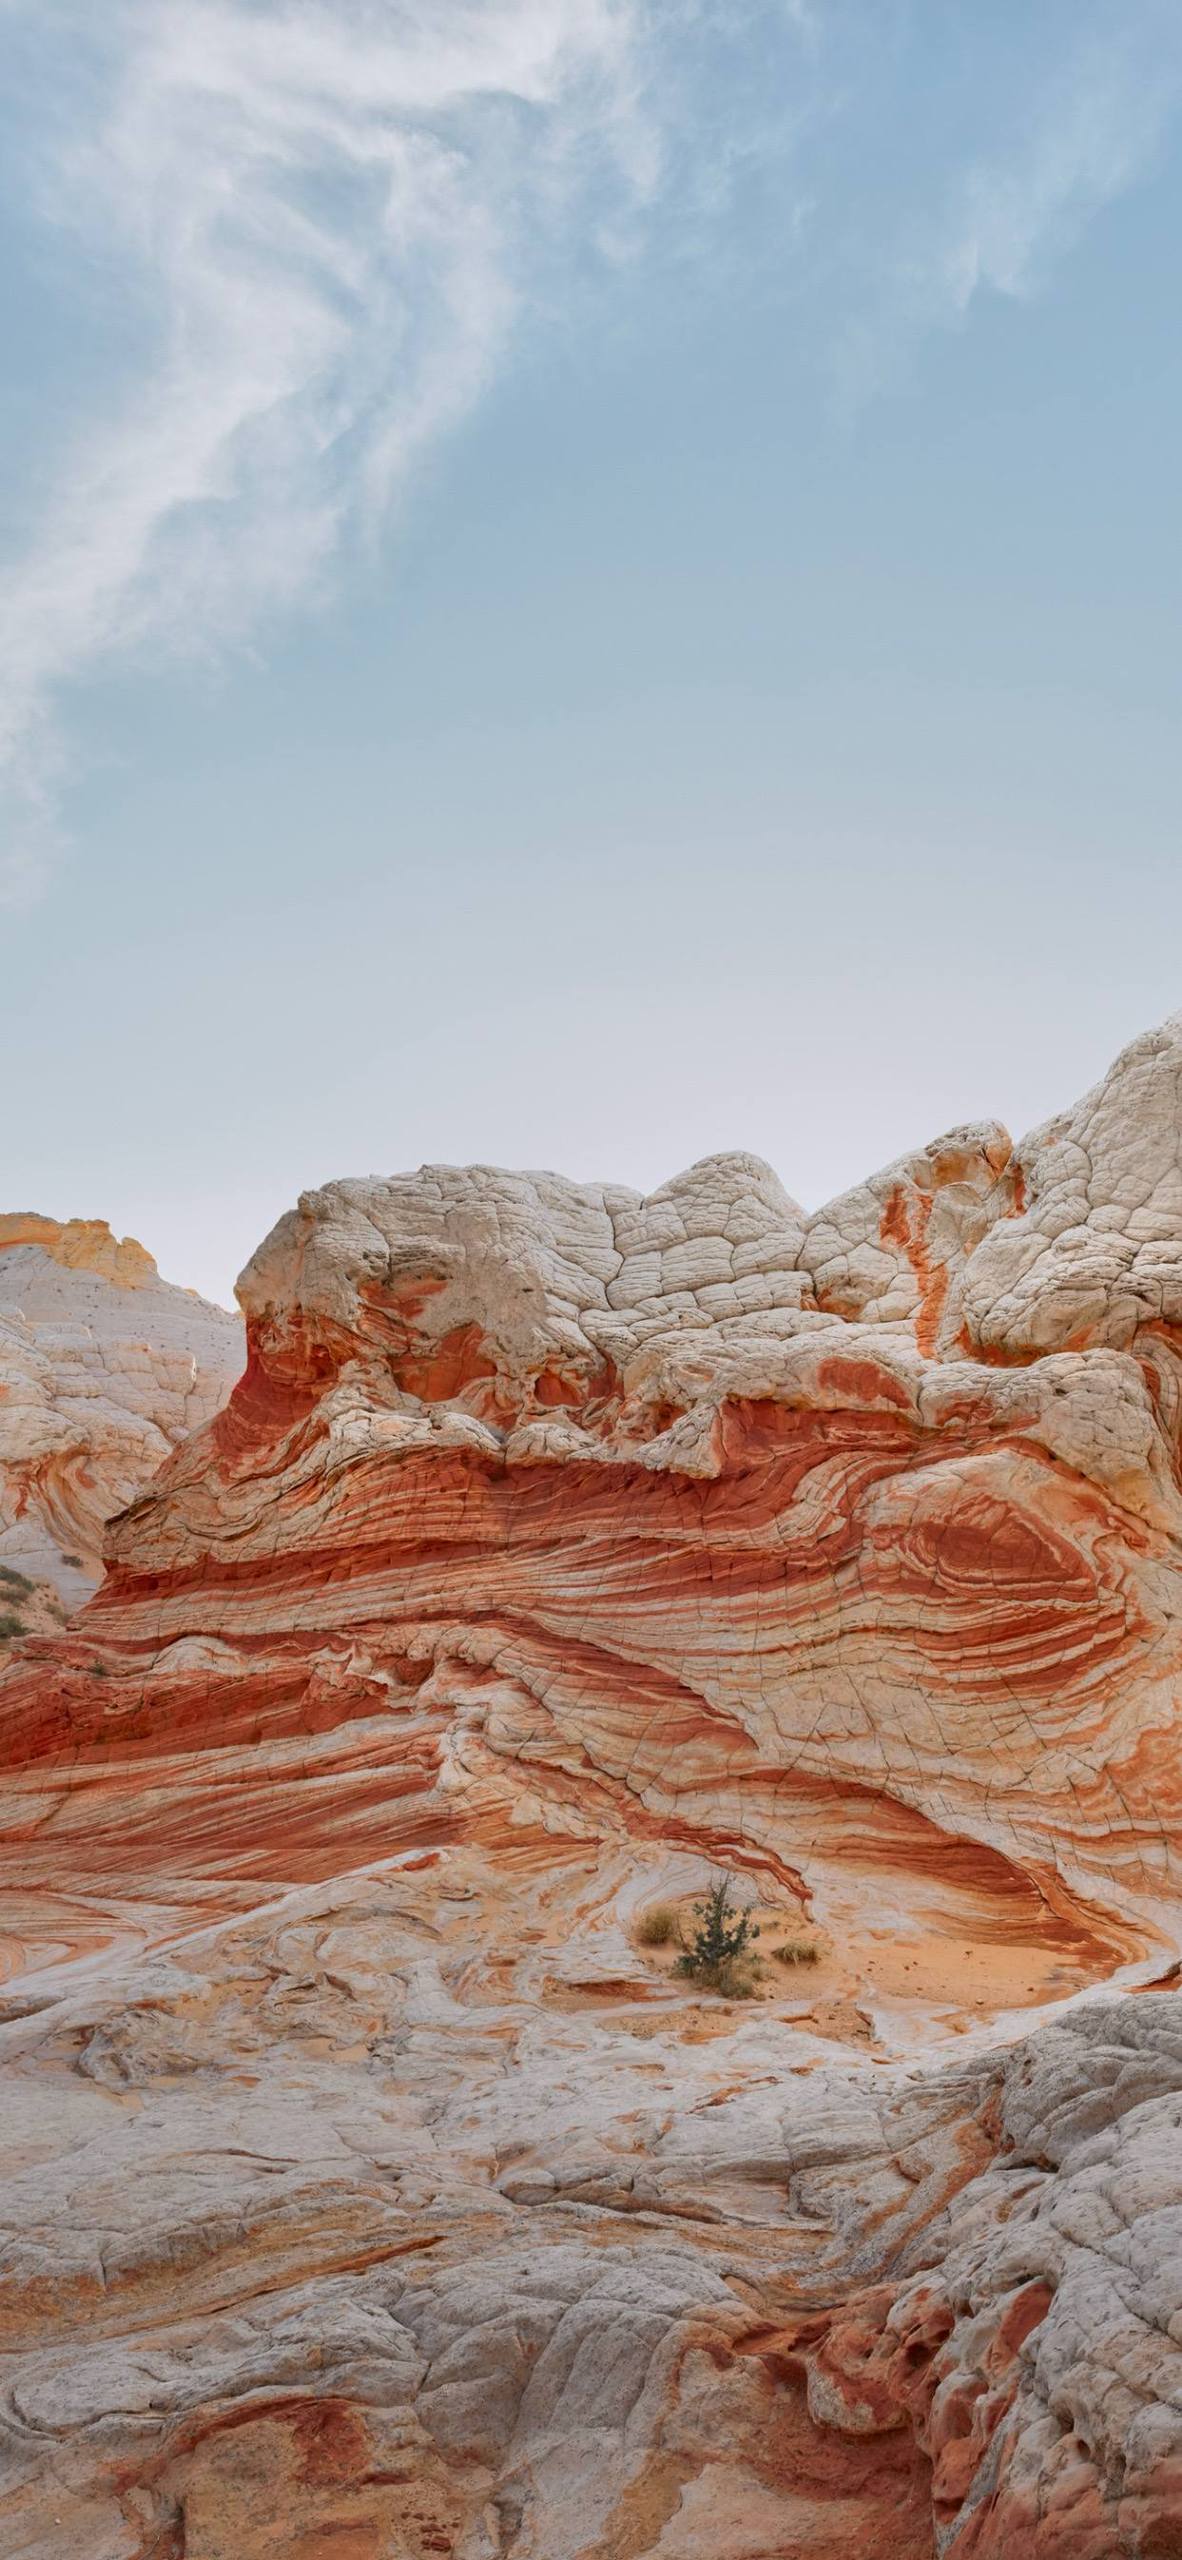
14,1581
721,1956
10,1625
798,1951
658,1927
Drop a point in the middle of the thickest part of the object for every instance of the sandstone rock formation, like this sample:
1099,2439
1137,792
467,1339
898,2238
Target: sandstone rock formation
103,1368
372,2187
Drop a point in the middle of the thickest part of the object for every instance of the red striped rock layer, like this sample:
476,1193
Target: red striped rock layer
848,1638
543,1508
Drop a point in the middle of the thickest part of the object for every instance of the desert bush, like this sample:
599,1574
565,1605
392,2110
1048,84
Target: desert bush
721,1954
798,1951
10,1625
658,1927
12,1580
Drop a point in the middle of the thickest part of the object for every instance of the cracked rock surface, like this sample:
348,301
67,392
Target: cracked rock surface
375,2186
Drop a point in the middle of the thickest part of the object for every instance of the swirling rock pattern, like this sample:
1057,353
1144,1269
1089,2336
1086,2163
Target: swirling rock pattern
372,2189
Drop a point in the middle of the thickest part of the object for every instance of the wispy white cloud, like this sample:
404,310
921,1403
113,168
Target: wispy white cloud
1075,138
325,206
325,219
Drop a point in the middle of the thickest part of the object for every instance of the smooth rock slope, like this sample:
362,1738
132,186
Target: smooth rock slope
372,2187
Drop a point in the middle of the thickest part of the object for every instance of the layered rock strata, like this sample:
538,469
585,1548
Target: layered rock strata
557,1548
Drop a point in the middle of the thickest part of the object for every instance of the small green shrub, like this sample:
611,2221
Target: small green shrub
658,1927
10,1625
12,1580
798,1951
722,1956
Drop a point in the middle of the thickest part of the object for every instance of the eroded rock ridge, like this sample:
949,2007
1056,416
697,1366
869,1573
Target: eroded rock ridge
557,1548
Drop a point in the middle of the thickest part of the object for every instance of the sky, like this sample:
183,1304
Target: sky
581,582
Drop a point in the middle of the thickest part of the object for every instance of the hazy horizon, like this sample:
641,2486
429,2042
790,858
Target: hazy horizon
590,1175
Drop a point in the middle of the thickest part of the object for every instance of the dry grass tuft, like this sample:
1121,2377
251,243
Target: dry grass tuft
798,1951
658,1927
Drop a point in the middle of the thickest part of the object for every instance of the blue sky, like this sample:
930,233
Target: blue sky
583,582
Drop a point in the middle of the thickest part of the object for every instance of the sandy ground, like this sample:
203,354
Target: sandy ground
857,1980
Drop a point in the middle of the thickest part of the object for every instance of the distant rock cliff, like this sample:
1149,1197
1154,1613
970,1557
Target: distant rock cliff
557,1548
103,1368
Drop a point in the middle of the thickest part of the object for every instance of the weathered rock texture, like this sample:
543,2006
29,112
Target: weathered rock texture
103,1369
372,2190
